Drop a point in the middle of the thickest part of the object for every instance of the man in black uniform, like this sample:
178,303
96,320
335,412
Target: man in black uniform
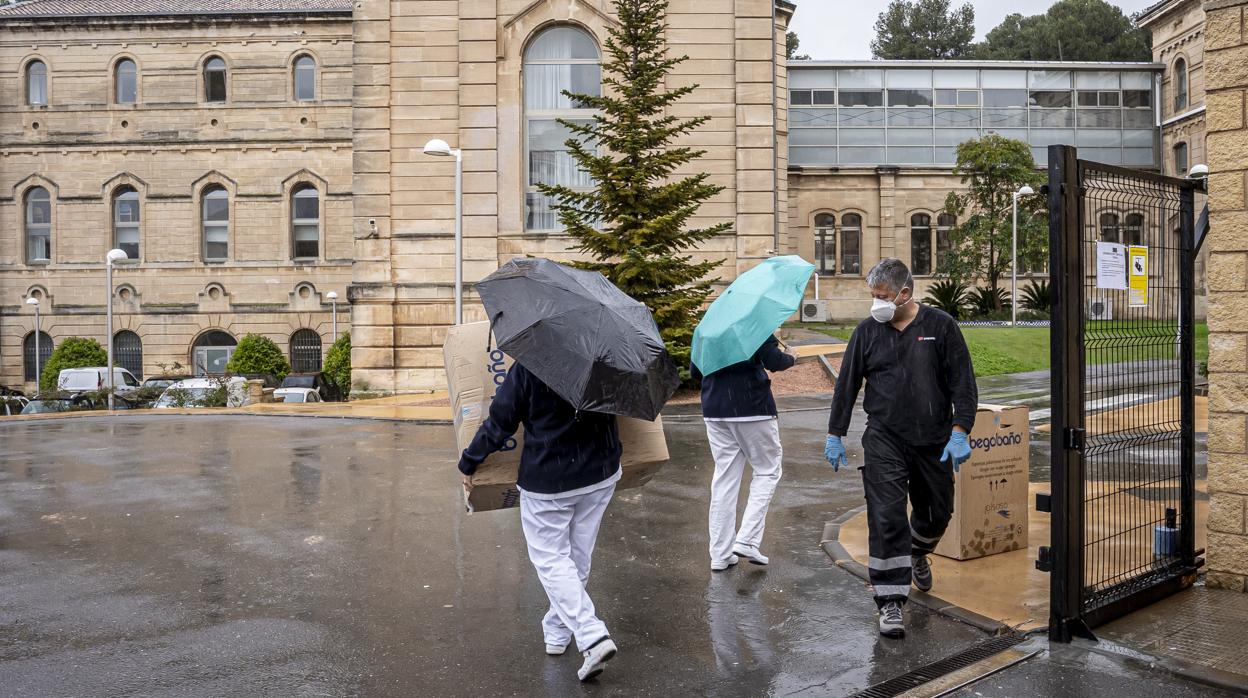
920,403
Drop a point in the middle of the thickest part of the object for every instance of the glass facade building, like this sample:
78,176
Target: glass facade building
915,113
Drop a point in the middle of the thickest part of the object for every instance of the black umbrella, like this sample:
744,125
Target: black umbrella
593,345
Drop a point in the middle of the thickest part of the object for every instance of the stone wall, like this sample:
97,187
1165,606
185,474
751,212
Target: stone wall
1226,67
168,146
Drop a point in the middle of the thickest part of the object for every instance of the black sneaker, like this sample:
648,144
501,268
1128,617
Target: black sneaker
921,570
891,623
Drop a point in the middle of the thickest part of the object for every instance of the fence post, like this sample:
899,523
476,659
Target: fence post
1187,356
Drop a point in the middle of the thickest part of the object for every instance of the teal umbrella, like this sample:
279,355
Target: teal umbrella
741,319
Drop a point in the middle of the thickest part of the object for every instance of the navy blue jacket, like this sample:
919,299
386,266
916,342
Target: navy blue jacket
563,450
743,389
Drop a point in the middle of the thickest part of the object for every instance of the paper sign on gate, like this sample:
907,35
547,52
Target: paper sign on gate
1111,266
1138,270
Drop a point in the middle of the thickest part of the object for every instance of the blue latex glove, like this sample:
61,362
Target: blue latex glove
834,451
957,450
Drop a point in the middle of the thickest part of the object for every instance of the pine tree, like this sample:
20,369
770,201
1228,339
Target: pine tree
634,223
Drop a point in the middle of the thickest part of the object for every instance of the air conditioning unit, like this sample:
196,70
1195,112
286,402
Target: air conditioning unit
814,311
1100,309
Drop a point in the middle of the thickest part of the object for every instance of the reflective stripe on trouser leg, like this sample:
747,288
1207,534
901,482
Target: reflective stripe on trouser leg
884,481
725,484
558,533
761,442
931,497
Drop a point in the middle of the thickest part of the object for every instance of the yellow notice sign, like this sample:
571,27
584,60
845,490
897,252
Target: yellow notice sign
1137,270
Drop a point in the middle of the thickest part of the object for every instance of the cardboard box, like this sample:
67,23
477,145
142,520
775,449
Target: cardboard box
474,370
990,500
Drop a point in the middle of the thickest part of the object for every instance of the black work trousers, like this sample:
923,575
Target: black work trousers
896,471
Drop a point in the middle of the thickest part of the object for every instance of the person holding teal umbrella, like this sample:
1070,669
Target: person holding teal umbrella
733,349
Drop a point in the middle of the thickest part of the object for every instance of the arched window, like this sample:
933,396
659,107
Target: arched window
559,58
1180,159
128,352
126,82
305,351
851,244
921,244
305,220
211,352
1109,227
38,226
305,79
945,223
216,223
1180,84
36,83
126,221
30,367
1134,229
214,80
825,242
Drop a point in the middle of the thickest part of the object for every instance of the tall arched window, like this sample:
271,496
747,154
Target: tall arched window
29,366
305,351
559,58
944,228
825,242
1109,227
1134,229
36,83
211,352
1180,84
1180,159
214,80
920,244
126,82
851,244
128,352
305,79
126,221
216,223
38,226
305,220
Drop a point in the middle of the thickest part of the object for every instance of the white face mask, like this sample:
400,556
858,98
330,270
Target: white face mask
883,311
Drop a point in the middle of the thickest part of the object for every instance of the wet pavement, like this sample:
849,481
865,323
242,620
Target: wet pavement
231,555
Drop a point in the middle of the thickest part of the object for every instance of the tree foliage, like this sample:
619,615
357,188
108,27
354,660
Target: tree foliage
992,168
73,352
791,44
258,354
924,29
635,224
1071,30
337,366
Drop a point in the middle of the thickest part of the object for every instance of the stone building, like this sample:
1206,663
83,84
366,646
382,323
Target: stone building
1178,30
486,76
1226,88
210,142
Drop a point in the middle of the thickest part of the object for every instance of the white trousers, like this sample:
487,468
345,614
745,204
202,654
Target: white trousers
560,534
732,444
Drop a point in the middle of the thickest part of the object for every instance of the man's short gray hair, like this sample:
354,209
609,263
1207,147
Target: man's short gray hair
891,273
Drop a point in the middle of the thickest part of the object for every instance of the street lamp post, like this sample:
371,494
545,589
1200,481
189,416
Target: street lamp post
333,303
34,303
109,259
439,147
1024,190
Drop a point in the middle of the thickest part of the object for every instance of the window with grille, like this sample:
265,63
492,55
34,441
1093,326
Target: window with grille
305,351
30,367
128,352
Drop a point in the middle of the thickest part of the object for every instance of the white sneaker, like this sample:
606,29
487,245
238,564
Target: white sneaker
751,553
556,650
891,622
596,659
724,564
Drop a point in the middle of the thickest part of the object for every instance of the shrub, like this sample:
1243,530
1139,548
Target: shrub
1036,296
948,295
258,354
73,352
984,303
337,366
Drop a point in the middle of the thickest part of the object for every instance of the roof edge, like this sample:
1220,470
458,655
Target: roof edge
862,63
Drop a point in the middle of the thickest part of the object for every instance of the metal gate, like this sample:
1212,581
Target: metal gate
1123,369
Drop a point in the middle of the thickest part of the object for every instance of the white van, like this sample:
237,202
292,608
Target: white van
80,380
194,391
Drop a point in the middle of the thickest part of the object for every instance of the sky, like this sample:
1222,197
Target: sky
843,29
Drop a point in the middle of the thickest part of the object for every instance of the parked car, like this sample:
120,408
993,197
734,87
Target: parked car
62,402
197,392
83,380
293,395
163,382
12,404
316,381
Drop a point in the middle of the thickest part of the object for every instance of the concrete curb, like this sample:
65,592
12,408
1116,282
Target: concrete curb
831,545
151,414
1236,683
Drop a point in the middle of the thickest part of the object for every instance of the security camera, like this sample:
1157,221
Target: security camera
372,222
